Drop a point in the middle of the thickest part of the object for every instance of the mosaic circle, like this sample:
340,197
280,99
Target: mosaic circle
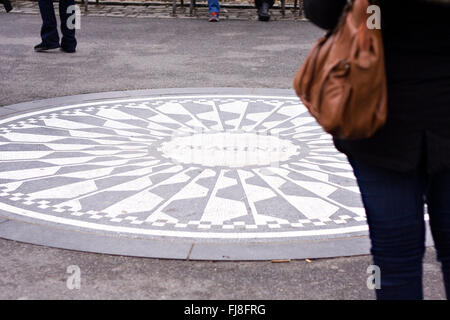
196,166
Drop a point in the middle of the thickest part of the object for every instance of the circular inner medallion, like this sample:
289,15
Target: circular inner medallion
229,149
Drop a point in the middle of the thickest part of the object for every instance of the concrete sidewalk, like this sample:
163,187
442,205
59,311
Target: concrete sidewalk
127,54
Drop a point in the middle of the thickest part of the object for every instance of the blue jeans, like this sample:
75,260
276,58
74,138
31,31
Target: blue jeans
49,31
213,6
394,203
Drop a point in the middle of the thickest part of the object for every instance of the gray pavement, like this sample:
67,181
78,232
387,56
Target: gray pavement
128,54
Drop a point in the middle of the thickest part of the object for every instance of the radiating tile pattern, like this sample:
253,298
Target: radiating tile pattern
137,163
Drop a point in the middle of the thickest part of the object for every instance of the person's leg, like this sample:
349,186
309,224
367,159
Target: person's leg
258,3
394,205
68,41
7,5
263,7
438,202
213,6
49,31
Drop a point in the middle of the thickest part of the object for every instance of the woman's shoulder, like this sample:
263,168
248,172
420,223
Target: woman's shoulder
324,13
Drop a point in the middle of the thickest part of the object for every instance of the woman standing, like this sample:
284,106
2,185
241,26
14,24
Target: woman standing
407,162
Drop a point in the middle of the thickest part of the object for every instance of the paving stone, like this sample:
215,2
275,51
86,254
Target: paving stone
5,111
61,238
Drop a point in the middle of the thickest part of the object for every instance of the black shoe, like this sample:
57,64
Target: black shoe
67,50
42,47
263,12
7,4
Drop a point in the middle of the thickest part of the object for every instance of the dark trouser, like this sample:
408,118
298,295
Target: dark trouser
49,30
394,204
259,2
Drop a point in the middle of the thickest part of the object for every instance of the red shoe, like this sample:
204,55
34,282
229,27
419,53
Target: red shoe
214,17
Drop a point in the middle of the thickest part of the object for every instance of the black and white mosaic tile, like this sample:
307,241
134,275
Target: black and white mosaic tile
206,166
187,166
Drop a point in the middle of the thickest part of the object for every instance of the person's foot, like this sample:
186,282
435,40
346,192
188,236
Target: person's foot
213,17
263,12
66,50
41,47
7,4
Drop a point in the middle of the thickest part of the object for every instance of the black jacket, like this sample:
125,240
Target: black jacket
416,37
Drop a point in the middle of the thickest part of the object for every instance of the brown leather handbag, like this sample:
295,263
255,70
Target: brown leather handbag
343,80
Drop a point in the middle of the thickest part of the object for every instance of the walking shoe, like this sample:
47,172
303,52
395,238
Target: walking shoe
7,4
213,17
42,47
263,12
67,50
